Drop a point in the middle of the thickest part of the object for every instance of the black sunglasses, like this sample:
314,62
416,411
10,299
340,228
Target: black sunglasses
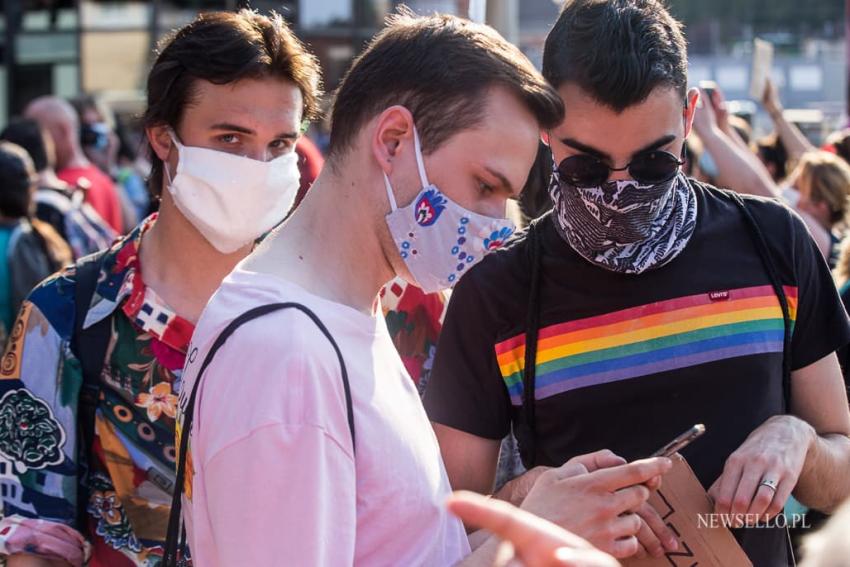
648,168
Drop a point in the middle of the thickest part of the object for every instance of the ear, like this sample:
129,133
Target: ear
545,136
160,141
688,112
393,129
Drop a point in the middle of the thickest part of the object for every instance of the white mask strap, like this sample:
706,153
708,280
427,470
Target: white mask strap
179,147
423,177
390,196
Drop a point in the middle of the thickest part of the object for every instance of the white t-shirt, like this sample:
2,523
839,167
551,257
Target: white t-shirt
275,480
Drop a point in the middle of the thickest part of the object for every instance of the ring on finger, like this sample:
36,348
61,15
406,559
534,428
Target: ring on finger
771,484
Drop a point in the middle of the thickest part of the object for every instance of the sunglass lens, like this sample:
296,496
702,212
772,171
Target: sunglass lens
654,167
583,171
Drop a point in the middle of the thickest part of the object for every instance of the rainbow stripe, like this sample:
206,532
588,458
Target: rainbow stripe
648,339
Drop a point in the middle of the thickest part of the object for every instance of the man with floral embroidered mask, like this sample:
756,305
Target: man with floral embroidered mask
293,386
645,303
92,372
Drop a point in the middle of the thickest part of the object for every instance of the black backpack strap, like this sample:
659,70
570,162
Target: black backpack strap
773,275
89,346
525,431
176,535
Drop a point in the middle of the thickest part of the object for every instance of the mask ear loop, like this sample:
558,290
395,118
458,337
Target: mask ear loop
179,146
390,196
423,177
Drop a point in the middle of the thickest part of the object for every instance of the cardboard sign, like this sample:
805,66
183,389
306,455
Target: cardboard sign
680,502
762,63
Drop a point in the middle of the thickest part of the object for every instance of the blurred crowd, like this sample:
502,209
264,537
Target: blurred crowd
81,187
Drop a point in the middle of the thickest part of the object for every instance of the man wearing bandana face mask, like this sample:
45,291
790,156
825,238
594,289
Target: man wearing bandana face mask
308,405
644,303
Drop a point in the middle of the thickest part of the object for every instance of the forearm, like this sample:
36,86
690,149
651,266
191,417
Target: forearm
735,171
514,491
485,550
795,142
825,480
27,560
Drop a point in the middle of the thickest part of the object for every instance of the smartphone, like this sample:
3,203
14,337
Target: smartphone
680,442
709,87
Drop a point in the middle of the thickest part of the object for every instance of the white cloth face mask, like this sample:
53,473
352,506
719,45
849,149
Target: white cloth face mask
438,239
232,200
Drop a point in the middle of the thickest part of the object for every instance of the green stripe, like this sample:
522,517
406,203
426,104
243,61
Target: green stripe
648,345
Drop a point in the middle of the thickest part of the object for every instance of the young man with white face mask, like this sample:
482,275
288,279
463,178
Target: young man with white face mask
90,379
647,302
303,440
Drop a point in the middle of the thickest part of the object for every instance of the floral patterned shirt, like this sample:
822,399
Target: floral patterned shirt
131,460
414,319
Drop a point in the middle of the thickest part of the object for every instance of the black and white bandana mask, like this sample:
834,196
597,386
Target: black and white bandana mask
625,227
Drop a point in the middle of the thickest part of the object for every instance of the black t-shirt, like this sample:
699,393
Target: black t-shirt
626,362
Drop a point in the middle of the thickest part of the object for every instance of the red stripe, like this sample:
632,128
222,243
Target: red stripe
642,311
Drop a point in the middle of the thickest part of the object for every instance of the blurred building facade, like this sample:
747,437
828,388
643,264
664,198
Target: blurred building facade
67,47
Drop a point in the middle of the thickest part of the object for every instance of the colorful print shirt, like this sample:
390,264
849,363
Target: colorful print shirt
414,319
132,458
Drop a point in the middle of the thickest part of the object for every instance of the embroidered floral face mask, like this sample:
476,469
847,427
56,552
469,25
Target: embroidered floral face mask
438,239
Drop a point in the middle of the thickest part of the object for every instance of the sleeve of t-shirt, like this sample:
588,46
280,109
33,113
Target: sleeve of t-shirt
466,390
821,326
275,482
283,495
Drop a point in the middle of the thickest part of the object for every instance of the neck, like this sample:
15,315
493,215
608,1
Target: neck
77,159
48,178
331,246
180,265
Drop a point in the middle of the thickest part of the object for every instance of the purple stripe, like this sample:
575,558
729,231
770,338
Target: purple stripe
651,368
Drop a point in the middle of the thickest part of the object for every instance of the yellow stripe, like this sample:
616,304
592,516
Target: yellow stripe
657,331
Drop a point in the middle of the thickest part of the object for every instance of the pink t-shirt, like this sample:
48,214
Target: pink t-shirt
275,480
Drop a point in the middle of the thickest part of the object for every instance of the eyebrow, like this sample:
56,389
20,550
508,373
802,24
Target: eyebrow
503,181
242,130
576,145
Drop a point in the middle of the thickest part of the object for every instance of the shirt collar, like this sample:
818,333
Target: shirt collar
121,285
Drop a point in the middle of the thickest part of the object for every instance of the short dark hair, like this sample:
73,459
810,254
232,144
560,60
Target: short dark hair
27,133
439,67
222,48
617,51
17,176
772,151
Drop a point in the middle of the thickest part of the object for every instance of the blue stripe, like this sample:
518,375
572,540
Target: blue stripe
659,355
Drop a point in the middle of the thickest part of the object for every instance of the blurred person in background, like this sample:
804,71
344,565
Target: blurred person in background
838,143
822,182
792,140
60,120
106,149
829,546
30,250
96,362
60,205
734,166
771,151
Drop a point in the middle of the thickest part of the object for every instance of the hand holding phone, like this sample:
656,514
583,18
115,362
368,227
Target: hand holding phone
680,442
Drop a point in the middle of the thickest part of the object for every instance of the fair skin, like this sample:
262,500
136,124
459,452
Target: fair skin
471,460
222,119
60,120
530,539
467,168
739,169
480,168
818,210
795,142
806,452
178,262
